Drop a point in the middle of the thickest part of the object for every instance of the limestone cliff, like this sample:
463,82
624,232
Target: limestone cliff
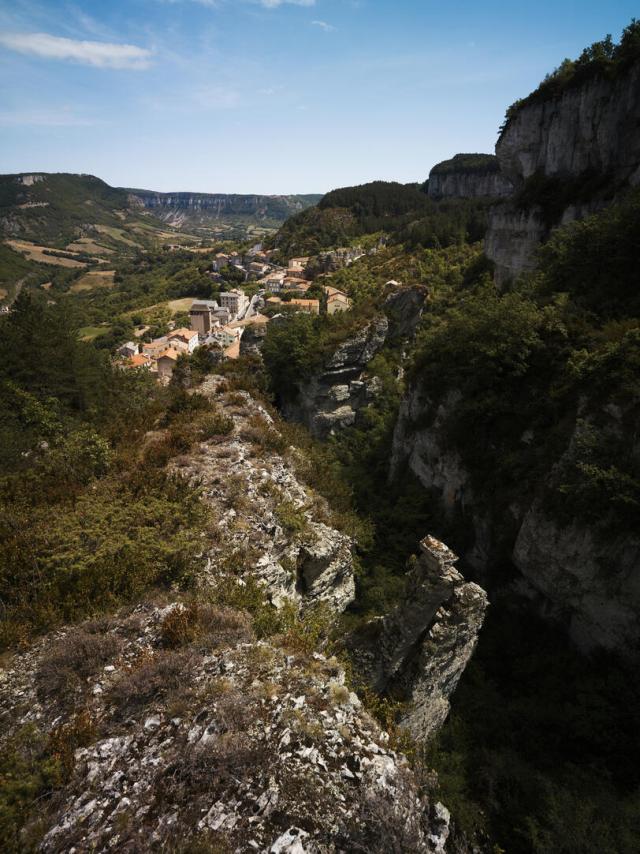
419,651
586,141
200,208
468,176
584,575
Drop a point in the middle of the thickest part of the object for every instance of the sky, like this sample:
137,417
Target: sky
272,96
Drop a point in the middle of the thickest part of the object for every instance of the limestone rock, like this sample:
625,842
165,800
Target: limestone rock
251,748
419,651
330,400
590,130
264,512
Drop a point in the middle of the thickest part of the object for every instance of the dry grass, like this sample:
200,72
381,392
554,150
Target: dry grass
206,626
154,676
36,253
73,659
86,244
94,279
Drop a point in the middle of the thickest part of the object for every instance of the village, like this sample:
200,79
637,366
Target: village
219,324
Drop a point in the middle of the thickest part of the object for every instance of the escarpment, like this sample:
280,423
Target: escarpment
574,562
566,157
468,176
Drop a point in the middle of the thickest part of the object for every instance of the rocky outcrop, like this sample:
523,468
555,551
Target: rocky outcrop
418,653
225,743
330,400
468,176
253,339
590,135
268,521
403,308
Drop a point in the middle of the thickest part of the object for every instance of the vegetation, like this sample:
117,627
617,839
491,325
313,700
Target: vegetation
403,211
87,517
467,164
602,59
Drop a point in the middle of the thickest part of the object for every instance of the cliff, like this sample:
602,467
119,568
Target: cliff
579,572
468,176
573,152
331,398
179,208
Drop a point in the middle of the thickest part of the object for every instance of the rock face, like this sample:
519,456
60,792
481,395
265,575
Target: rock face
403,309
331,399
591,130
265,515
225,744
587,579
177,208
591,583
419,651
468,176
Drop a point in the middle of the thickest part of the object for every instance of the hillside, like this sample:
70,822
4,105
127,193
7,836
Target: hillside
78,213
220,211
404,213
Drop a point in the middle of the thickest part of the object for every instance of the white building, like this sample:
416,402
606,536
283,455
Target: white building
184,338
235,301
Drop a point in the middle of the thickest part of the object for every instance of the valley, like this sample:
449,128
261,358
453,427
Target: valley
320,516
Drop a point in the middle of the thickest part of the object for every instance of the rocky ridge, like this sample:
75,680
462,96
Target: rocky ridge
173,724
228,741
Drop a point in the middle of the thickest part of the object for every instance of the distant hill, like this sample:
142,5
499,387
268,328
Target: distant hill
403,212
198,210
58,209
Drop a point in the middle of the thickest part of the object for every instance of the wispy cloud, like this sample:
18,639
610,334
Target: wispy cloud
98,54
328,28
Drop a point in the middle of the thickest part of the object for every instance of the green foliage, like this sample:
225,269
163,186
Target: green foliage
401,210
596,261
295,349
601,59
467,164
553,194
61,561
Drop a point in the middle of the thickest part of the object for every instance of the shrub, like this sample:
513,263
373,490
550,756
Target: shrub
215,424
153,677
75,657
292,518
205,625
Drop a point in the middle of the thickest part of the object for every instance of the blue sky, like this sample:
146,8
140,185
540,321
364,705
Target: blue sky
272,96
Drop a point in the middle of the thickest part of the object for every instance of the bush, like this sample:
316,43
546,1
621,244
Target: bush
72,660
205,625
215,424
153,677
